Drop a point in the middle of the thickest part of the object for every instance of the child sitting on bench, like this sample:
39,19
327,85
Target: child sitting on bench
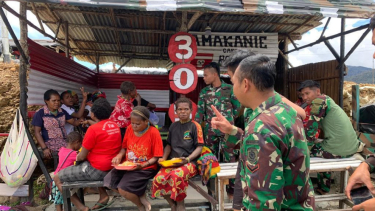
67,156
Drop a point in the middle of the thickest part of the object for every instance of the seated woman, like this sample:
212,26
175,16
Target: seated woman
49,125
142,145
101,144
185,141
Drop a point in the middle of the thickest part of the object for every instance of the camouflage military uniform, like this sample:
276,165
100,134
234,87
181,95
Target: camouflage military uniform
371,162
340,140
275,160
224,100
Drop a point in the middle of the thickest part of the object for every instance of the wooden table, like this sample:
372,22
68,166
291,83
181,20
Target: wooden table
228,171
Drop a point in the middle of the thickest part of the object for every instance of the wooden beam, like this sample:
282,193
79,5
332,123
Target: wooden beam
110,43
122,53
37,15
356,45
152,31
304,24
213,18
20,17
126,62
53,15
249,27
330,37
342,69
291,40
286,58
58,29
66,26
22,76
117,35
126,55
97,62
325,27
177,18
193,19
184,23
333,51
161,25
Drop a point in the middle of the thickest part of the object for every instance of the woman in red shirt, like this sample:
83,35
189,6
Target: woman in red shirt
101,144
143,146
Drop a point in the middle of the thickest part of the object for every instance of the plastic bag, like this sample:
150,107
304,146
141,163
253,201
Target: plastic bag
18,160
154,119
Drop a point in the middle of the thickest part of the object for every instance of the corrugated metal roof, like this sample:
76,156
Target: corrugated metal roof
144,35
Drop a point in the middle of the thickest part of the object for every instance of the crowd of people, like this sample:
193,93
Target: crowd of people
271,137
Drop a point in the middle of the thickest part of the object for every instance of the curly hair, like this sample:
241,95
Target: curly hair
126,87
74,136
49,93
183,100
101,109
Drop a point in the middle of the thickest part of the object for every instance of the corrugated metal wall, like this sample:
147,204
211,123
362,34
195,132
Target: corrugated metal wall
153,88
49,70
323,72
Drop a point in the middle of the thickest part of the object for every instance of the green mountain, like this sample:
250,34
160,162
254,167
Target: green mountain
360,74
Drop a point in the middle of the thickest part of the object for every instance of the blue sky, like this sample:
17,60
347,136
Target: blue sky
362,56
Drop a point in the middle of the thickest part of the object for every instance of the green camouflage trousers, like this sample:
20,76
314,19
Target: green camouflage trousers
324,178
228,151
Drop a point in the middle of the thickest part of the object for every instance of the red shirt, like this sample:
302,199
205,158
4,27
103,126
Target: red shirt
122,111
103,141
142,149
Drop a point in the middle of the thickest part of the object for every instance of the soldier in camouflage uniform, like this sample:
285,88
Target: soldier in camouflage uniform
220,95
340,140
274,156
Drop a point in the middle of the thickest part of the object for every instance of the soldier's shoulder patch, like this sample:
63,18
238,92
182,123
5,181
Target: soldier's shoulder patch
252,159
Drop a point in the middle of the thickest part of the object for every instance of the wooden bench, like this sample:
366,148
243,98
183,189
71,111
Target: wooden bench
81,184
228,171
78,185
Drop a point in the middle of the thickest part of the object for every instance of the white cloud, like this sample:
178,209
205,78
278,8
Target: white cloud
362,56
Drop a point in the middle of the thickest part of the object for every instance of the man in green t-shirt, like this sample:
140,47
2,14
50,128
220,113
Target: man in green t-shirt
340,139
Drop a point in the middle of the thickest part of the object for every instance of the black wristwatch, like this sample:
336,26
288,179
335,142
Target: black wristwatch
44,148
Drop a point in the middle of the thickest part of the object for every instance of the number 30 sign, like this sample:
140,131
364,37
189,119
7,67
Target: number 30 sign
182,47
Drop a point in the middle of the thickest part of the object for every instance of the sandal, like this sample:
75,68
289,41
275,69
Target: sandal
103,206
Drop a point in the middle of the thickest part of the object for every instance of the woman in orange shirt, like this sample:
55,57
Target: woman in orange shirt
143,146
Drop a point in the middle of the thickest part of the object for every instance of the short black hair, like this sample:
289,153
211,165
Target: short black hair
310,84
74,136
183,100
235,59
260,70
142,109
126,87
49,93
214,65
64,93
101,109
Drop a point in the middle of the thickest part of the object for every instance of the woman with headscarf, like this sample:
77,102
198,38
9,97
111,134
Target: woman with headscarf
143,146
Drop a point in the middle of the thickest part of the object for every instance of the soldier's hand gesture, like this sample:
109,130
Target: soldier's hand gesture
220,122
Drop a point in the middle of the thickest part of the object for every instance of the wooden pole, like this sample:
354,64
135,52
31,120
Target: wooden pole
341,70
23,62
66,26
97,63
